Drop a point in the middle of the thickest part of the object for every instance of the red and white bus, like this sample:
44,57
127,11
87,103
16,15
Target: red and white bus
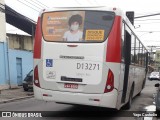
88,56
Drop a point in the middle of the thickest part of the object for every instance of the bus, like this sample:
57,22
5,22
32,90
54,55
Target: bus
88,56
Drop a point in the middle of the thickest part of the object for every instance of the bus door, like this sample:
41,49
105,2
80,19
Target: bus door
127,46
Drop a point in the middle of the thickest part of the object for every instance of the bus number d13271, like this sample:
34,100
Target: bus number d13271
87,66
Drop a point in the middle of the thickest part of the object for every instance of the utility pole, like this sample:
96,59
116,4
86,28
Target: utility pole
3,22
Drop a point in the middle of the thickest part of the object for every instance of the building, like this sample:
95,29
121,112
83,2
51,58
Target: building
17,60
20,57
16,53
4,80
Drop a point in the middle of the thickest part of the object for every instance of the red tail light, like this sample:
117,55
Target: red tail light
36,77
110,82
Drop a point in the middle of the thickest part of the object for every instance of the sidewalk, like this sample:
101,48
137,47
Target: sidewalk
14,94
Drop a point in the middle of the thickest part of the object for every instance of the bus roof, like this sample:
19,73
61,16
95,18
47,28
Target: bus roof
98,8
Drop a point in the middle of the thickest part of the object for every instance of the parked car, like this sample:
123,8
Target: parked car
154,76
157,97
28,81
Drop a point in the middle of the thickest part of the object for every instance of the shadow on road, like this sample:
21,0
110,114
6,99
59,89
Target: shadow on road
79,111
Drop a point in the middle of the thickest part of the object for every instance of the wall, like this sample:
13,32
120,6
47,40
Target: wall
3,67
27,64
20,42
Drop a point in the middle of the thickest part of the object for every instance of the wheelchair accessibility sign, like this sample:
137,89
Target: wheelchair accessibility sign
49,63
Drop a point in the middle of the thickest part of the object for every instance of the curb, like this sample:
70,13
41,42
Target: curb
14,99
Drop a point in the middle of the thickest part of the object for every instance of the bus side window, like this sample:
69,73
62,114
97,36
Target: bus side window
141,55
133,49
137,52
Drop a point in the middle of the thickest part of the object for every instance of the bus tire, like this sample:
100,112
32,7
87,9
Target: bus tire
157,111
142,88
128,105
139,93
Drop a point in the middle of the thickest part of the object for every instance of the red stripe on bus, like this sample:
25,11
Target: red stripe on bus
38,40
114,42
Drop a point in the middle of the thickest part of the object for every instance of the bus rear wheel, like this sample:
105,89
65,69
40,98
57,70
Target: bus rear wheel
142,87
128,105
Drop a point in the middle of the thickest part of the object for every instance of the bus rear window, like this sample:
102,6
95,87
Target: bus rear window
77,26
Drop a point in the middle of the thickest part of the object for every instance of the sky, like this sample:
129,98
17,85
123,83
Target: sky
148,28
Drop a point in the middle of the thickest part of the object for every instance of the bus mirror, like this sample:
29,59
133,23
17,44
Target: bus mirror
157,85
107,17
130,15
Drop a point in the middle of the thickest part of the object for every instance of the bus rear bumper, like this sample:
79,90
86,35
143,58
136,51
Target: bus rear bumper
108,100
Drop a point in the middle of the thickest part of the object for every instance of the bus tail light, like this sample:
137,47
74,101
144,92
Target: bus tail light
36,77
110,82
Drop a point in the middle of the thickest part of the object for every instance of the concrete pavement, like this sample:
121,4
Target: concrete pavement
18,93
144,103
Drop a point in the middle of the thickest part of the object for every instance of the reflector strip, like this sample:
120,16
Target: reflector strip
38,40
114,42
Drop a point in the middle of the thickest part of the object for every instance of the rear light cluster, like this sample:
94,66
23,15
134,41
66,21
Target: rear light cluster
110,82
36,77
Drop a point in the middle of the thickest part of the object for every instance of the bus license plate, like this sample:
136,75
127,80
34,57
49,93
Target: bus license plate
70,85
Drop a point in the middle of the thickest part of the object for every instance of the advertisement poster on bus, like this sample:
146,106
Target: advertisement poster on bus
57,25
76,26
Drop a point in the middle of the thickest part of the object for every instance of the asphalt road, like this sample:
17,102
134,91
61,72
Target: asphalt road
144,102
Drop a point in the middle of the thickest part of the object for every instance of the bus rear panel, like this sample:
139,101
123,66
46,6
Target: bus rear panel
77,57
